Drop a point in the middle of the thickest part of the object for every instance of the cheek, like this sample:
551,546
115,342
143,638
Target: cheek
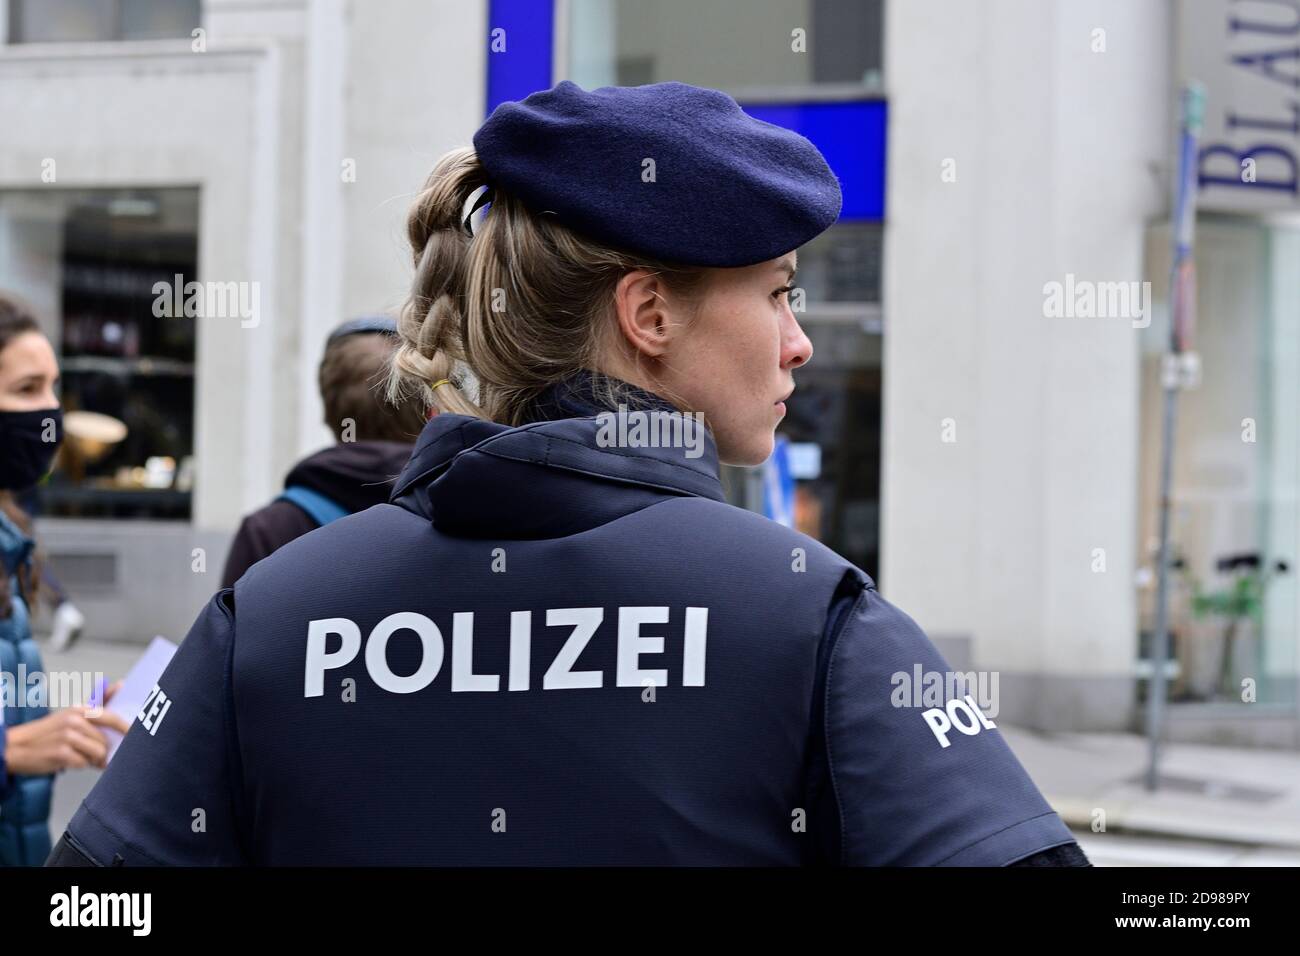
749,344
12,400
23,403
757,358
741,400
730,365
754,353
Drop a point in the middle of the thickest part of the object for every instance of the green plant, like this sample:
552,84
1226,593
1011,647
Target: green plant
1242,599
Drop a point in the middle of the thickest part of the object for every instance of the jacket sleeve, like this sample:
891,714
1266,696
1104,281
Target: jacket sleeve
913,780
4,768
1069,854
169,795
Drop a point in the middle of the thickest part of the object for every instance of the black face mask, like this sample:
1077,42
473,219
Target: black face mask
27,446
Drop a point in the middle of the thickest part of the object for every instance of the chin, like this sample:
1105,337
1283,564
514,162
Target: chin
747,450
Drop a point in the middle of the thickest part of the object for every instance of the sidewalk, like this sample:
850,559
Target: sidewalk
1241,796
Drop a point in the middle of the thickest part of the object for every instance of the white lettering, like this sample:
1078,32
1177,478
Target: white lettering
377,652
584,622
75,908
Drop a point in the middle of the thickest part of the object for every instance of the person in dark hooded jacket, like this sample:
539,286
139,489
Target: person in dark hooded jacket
557,643
373,437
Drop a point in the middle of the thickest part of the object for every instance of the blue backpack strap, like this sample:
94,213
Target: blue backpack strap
320,509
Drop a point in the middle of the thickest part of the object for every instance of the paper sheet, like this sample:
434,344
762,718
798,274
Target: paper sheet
136,687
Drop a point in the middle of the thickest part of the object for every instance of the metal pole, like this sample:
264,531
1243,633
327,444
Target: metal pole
1181,292
1160,639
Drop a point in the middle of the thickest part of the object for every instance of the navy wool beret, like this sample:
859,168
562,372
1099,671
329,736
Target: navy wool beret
727,189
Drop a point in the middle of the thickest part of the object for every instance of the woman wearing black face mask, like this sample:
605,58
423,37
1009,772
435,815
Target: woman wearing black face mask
34,744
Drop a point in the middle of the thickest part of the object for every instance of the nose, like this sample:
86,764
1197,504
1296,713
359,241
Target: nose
796,348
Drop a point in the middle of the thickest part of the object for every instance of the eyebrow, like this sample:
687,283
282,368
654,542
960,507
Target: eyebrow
788,265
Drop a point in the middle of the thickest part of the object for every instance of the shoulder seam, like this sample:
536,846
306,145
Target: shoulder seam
235,779
826,702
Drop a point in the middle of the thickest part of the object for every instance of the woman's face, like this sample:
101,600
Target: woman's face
28,374
732,357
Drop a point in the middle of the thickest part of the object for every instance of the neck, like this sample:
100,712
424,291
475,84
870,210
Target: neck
588,393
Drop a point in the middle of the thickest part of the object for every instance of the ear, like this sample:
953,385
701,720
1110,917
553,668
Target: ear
640,310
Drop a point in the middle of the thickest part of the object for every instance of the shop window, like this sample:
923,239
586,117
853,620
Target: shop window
54,21
794,45
1234,599
89,262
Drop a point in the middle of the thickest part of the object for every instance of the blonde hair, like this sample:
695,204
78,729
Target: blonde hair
523,304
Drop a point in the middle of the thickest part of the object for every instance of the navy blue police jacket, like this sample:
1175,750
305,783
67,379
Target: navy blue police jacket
550,648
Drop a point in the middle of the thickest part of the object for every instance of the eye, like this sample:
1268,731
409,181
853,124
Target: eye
782,291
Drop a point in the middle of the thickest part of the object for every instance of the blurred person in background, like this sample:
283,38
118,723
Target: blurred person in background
373,444
34,744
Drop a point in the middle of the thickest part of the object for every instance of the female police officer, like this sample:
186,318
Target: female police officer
557,644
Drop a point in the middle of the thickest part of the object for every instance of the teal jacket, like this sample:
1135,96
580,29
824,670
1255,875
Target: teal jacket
24,801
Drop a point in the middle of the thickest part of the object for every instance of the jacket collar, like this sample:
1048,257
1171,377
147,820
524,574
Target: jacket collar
565,445
586,395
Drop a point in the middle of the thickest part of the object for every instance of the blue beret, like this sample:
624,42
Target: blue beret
728,189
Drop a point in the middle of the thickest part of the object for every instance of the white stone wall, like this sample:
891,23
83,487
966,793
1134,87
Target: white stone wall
1058,152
